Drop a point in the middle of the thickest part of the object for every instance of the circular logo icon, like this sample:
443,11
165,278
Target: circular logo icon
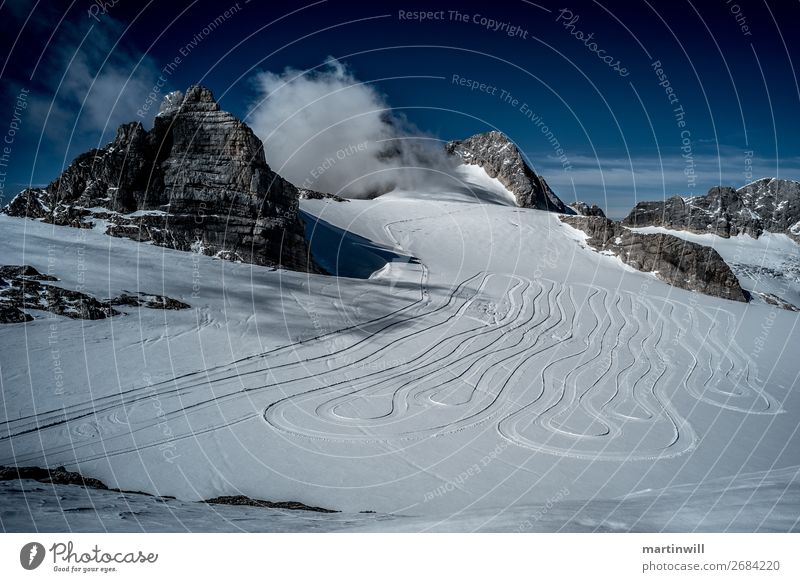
31,555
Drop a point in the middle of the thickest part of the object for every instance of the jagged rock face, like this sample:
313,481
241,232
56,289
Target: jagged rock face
583,209
171,103
765,205
777,202
675,261
202,168
501,159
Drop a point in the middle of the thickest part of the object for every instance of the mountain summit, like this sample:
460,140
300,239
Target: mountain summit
197,181
501,159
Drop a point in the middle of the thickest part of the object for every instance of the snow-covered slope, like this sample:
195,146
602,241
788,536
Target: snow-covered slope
763,502
467,183
507,364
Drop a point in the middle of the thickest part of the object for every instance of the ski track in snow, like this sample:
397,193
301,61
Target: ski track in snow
560,369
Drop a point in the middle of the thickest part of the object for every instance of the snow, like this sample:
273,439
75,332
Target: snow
98,209
771,498
507,364
345,254
470,184
478,180
139,213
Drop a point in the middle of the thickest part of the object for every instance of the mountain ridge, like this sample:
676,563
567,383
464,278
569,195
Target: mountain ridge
764,205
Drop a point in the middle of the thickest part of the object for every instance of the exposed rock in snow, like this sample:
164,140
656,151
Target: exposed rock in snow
61,476
202,166
57,476
678,262
249,502
149,300
21,288
306,194
501,159
773,299
767,204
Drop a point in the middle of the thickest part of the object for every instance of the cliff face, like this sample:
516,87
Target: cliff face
501,159
675,261
765,205
197,181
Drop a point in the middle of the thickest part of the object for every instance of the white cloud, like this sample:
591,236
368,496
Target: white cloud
326,131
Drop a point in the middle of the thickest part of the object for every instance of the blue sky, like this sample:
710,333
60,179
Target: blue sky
575,84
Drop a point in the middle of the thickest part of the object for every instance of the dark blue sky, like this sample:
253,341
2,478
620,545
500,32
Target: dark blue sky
82,71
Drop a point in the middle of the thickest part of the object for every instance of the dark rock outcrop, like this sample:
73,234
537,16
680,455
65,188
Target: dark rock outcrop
501,159
149,300
765,205
680,263
772,299
23,287
197,181
306,194
57,476
583,209
11,314
250,502
60,476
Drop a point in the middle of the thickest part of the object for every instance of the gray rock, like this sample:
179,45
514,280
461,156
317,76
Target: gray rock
768,204
26,271
21,288
11,314
680,263
250,502
201,168
58,476
501,159
583,209
149,300
772,299
171,103
306,194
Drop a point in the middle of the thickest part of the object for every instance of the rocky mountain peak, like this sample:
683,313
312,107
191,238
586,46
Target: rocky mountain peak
199,98
171,103
202,178
583,209
501,158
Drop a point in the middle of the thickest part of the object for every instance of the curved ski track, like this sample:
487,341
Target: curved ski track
567,370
